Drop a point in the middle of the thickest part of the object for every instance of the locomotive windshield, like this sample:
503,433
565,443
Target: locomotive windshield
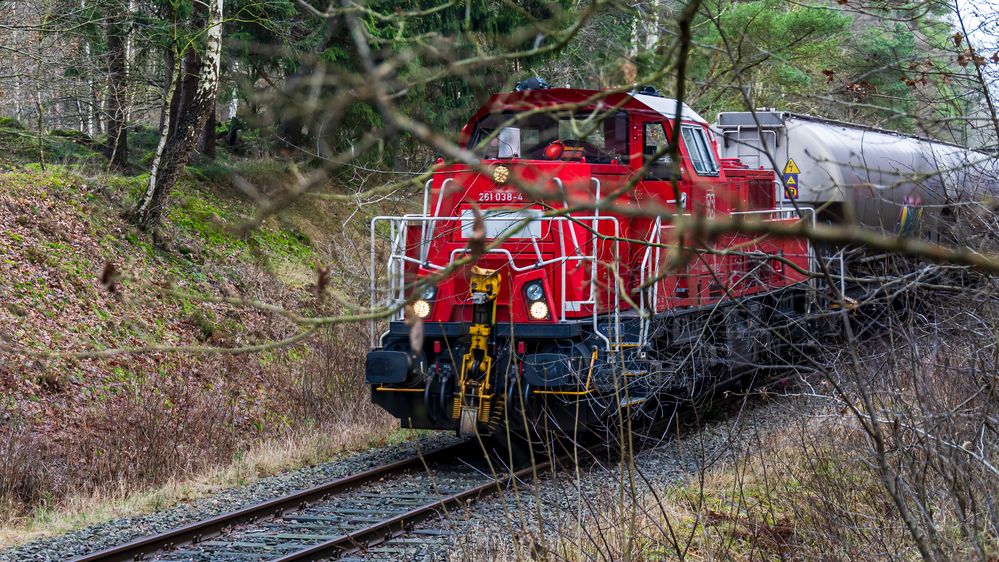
602,137
701,155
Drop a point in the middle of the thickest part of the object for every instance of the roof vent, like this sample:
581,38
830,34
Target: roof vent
531,84
650,91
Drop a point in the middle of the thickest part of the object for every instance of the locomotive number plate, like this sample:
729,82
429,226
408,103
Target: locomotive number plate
501,196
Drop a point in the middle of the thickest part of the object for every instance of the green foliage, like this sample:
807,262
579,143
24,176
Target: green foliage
143,138
779,51
206,323
257,23
774,53
427,43
73,153
200,217
207,219
73,135
285,242
470,28
72,148
10,123
879,55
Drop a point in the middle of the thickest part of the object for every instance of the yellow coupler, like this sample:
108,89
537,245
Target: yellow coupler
474,400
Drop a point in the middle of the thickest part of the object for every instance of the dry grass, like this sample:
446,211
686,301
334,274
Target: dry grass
786,496
293,450
812,489
171,437
806,492
895,459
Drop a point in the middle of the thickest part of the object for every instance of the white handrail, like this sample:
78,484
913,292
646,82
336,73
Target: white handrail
424,239
426,195
643,314
398,258
565,202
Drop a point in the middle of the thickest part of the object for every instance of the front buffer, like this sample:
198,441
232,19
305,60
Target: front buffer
476,377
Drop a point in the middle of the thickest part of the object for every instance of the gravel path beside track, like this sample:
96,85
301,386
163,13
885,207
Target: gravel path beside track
120,531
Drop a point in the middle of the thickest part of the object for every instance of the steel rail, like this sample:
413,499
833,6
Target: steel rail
403,523
208,528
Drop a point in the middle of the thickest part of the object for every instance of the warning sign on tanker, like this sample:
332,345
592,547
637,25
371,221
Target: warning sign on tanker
790,174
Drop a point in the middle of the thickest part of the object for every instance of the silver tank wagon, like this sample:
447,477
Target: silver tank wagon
881,179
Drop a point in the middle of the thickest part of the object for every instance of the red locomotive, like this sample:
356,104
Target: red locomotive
557,281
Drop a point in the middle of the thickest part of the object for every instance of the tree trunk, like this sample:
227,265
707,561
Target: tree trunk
293,131
169,88
652,30
169,80
16,37
183,95
117,145
206,144
88,119
39,107
234,92
133,7
175,150
41,127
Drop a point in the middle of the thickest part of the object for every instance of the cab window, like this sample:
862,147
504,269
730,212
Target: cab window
699,150
599,135
654,144
655,140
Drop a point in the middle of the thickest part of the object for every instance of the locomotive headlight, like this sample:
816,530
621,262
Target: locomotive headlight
538,310
421,308
429,293
534,291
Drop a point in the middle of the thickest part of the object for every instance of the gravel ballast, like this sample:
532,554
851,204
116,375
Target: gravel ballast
547,509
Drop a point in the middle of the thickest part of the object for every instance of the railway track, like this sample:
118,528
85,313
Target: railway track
375,511
334,519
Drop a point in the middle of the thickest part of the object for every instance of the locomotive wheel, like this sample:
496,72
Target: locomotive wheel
441,381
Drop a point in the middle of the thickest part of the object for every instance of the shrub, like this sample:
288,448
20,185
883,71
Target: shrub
74,135
10,123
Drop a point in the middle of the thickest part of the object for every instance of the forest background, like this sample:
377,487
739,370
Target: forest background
161,159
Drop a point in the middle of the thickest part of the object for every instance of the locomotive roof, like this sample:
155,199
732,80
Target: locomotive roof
532,99
667,107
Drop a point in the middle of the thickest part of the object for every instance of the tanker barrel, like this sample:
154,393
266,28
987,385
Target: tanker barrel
883,179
